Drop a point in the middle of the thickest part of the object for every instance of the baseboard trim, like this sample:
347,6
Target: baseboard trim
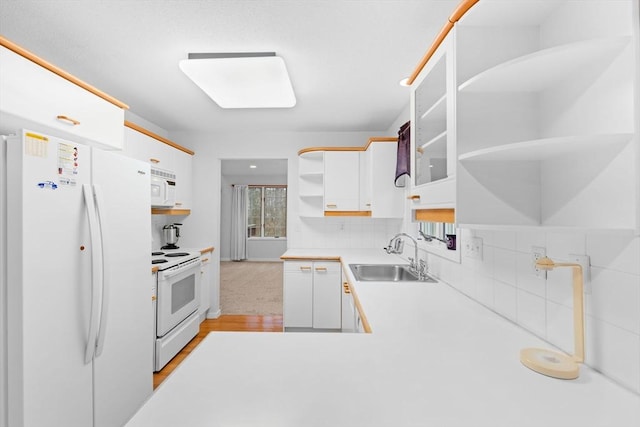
214,314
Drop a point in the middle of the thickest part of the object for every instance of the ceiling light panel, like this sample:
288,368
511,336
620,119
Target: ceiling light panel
242,80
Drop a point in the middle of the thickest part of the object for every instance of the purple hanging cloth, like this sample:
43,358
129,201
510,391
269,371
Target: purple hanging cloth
404,155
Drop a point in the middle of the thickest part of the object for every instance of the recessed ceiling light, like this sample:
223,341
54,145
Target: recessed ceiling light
252,166
241,80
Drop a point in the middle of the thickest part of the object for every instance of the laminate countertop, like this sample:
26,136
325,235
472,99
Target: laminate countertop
434,358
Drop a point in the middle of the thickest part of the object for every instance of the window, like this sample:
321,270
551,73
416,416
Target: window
267,216
438,229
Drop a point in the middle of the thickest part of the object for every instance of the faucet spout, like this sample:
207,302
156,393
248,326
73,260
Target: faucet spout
396,246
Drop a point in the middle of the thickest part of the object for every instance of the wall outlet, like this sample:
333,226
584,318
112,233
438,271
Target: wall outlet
538,252
473,247
585,262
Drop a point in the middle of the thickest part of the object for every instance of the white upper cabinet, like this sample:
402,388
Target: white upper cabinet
160,155
547,114
33,96
433,141
341,181
350,181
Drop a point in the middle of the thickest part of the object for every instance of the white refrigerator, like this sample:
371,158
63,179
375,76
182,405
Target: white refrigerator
78,305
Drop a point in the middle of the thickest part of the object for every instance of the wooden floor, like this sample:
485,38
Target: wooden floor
227,322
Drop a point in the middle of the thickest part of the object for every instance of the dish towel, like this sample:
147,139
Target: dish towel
404,155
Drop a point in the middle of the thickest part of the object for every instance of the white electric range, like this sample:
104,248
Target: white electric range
177,302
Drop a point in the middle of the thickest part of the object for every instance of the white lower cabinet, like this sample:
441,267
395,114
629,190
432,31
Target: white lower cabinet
312,295
154,303
205,285
348,309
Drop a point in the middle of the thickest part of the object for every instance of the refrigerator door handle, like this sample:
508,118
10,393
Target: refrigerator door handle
104,311
96,274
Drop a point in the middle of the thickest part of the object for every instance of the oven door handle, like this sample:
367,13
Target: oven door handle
96,274
170,274
104,311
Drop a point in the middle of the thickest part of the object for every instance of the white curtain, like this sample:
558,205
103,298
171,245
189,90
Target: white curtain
239,223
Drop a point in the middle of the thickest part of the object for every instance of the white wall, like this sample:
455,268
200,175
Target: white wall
257,250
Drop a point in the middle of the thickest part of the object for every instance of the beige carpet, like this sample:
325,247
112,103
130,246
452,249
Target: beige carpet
248,287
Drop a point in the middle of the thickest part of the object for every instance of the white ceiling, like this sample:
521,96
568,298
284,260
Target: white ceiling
264,167
345,57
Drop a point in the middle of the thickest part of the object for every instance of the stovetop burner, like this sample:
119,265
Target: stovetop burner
157,253
158,261
176,254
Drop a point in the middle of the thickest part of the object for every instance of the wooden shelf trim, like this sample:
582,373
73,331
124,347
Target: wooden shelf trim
436,215
347,213
363,148
60,72
462,8
157,211
157,137
309,258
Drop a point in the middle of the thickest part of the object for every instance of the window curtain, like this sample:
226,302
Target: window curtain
239,223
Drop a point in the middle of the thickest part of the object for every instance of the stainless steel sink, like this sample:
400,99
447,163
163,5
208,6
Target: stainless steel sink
386,273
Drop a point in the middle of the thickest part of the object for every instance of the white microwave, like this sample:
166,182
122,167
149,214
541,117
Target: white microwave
163,188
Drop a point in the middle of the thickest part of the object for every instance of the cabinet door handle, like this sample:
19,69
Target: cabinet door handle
321,268
68,120
152,160
178,203
205,259
332,205
153,298
305,268
414,197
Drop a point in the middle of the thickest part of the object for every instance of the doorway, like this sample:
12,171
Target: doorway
254,285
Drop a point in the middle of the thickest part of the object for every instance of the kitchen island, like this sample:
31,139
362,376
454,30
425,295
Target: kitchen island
434,358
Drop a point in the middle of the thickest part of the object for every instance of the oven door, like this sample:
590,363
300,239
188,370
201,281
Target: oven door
178,295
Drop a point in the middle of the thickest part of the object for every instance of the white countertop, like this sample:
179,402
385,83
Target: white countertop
435,358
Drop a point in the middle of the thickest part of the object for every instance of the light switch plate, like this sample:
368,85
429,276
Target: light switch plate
538,252
474,248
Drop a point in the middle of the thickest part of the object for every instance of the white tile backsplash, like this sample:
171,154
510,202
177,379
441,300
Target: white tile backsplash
345,232
503,281
505,300
504,239
531,313
560,245
559,328
615,298
526,239
613,351
504,265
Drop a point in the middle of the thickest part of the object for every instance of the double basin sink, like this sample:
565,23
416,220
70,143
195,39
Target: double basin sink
386,273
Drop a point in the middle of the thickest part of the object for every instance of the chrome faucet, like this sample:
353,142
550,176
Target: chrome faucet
396,246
